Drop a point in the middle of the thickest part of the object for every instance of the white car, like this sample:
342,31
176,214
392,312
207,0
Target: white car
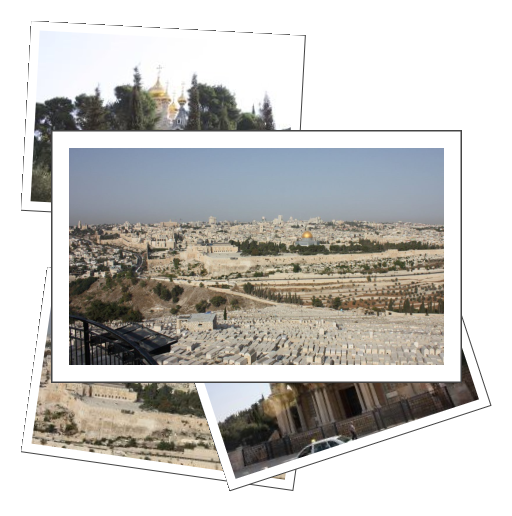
323,444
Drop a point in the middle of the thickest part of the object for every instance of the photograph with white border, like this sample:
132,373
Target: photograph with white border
293,425
149,175
74,68
104,423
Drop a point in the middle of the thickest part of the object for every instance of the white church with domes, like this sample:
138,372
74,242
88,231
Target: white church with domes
171,117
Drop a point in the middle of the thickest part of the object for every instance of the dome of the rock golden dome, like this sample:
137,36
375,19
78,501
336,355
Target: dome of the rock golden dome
307,234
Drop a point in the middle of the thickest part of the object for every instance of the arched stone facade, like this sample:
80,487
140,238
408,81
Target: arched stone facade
303,406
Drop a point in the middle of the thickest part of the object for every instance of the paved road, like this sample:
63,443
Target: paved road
264,465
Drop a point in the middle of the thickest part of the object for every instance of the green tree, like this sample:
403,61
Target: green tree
225,314
202,306
136,120
119,113
248,122
55,114
91,114
296,267
217,107
218,300
224,123
336,303
317,302
267,115
194,108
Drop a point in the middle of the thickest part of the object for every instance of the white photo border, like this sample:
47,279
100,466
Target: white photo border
27,446
235,483
451,141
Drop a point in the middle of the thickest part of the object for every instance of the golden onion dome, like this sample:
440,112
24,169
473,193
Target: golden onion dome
182,100
307,234
157,91
172,110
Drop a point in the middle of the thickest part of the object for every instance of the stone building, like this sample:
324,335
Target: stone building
197,322
220,247
115,391
303,406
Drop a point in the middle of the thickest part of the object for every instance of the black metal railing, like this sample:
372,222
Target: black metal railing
93,343
367,423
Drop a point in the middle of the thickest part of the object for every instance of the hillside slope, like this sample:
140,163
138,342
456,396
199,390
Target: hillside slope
144,299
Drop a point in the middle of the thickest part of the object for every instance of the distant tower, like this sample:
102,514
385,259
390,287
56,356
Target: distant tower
79,225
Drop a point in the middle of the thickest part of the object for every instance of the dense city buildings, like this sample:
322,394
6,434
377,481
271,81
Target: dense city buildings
280,292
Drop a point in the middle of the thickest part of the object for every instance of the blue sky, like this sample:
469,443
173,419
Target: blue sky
247,64
154,185
228,398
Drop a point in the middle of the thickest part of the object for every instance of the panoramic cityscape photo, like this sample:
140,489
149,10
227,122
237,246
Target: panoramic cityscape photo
256,256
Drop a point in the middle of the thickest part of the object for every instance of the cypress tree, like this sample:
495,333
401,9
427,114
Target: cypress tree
224,124
136,120
194,113
267,115
225,314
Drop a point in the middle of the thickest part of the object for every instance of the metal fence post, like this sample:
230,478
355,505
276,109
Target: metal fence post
403,411
448,396
87,348
378,419
269,450
288,444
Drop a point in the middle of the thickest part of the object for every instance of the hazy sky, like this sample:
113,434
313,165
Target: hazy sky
247,64
155,185
228,398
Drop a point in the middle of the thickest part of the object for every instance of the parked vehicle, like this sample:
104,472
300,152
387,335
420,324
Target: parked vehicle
323,444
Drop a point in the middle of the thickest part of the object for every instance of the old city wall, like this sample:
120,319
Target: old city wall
110,422
123,241
221,265
160,262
